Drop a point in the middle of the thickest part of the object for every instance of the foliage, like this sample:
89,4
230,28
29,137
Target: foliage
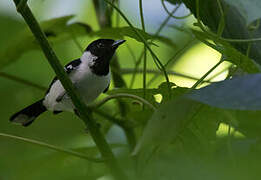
166,131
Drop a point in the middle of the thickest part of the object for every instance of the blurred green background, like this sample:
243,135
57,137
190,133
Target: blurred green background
20,161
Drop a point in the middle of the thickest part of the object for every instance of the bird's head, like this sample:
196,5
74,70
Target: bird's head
104,48
99,54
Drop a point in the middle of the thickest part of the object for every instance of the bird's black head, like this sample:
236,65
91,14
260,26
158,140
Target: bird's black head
103,49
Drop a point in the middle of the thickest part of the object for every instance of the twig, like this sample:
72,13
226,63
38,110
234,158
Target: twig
53,147
171,15
22,81
206,74
155,58
145,50
122,95
156,72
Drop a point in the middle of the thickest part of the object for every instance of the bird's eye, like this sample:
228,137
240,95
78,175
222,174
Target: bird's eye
100,45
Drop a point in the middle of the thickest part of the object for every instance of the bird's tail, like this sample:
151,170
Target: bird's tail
27,115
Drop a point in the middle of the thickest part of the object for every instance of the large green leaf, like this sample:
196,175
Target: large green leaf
235,26
57,30
240,93
167,122
249,9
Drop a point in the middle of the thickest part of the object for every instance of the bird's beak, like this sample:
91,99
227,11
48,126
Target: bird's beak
117,43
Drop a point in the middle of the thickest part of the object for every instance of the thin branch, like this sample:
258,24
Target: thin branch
156,72
145,50
122,95
171,15
22,81
53,147
21,5
166,21
76,42
206,74
83,111
155,58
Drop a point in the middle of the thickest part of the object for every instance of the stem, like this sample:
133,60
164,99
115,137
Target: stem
166,20
75,40
122,95
156,72
170,14
145,50
22,81
49,146
155,58
173,59
83,111
155,34
206,74
21,5
221,24
135,68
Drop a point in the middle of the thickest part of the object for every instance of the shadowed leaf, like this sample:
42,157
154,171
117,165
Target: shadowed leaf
57,30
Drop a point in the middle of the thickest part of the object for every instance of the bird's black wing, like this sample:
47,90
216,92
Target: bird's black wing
68,69
72,65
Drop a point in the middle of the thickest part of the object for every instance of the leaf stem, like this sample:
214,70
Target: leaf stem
53,147
122,95
145,50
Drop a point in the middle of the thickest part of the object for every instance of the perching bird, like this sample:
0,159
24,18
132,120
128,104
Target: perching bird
90,74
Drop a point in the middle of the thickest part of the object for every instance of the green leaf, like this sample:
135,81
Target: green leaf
240,93
249,9
246,122
57,30
120,32
229,53
167,122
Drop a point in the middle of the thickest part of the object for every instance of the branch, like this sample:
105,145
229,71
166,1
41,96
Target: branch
22,81
123,95
56,148
152,71
83,111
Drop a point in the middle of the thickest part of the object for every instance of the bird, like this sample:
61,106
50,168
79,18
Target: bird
90,74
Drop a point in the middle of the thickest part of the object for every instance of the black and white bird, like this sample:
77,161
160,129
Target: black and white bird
90,74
